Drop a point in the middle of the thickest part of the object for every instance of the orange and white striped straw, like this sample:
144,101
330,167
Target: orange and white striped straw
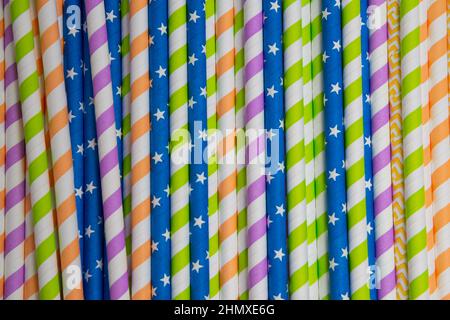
140,152
31,286
226,124
59,135
439,142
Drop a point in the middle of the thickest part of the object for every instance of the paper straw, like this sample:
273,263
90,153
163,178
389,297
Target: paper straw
108,154
179,169
198,169
395,126
439,140
368,175
160,137
354,147
254,116
95,283
113,24
240,148
381,151
126,125
73,75
2,152
309,151
413,150
41,197
319,148
15,174
335,154
60,148
31,285
213,222
140,152
275,179
295,165
59,13
228,245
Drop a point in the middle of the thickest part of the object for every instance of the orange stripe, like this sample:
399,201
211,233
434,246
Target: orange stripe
139,128
143,294
443,262
140,255
137,5
49,37
227,186
58,122
29,245
225,63
228,227
138,44
225,104
438,92
30,287
441,218
62,165
66,209
228,270
54,79
69,254
440,175
226,145
140,86
140,212
225,22
75,294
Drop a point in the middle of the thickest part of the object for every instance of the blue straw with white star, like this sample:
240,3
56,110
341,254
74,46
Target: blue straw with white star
368,147
94,269
198,169
335,151
73,51
274,125
159,142
114,40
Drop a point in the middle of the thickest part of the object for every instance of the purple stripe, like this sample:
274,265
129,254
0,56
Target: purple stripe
385,242
14,238
254,66
387,284
376,2
381,160
105,120
112,204
102,79
108,162
13,114
14,281
118,288
91,4
10,75
382,201
97,39
15,195
379,77
15,154
255,107
256,231
255,148
378,37
380,118
8,35
253,25
257,273
115,245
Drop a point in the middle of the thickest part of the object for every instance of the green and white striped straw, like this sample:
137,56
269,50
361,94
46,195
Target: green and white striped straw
37,158
213,216
413,172
179,160
240,147
309,151
319,149
354,148
295,162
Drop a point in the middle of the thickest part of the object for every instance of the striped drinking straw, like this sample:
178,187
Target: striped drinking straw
354,149
381,149
60,148
240,148
41,197
295,151
2,150
413,174
107,149
213,222
160,137
31,285
439,141
225,61
15,174
179,159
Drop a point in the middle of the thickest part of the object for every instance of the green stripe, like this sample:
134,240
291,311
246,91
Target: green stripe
45,249
24,46
179,219
418,286
42,207
177,19
50,290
